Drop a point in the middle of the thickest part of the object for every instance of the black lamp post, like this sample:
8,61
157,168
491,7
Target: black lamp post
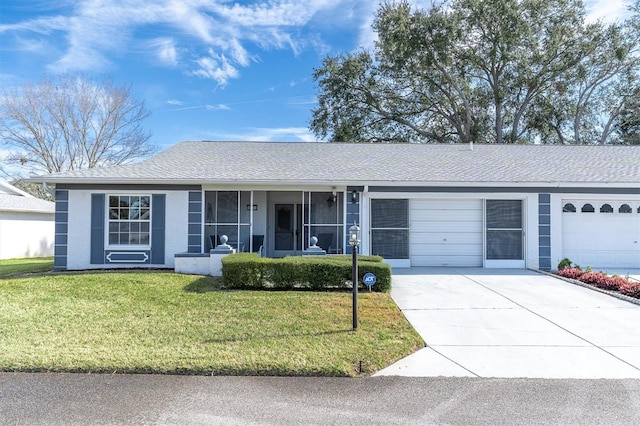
354,241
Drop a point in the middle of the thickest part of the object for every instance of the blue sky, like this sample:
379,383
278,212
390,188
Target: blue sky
207,69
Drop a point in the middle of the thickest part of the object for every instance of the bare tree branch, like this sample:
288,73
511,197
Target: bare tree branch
72,123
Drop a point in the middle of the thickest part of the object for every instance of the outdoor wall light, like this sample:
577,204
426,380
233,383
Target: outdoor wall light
354,196
333,198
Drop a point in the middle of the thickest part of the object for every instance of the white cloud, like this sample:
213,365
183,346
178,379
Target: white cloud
165,50
215,67
218,107
216,33
175,102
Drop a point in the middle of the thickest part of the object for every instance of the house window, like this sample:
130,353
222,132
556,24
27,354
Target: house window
587,208
129,219
606,208
504,229
625,208
569,208
390,228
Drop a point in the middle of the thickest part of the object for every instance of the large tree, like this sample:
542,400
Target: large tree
71,123
472,70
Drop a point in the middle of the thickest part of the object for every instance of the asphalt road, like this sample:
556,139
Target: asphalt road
81,399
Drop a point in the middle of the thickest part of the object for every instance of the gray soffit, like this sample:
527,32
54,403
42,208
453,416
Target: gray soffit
379,164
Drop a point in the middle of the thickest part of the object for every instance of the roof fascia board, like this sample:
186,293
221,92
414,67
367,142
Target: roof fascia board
128,186
506,189
14,190
387,186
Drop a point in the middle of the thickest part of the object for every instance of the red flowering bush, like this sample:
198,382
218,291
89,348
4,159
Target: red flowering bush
616,283
630,289
600,280
574,273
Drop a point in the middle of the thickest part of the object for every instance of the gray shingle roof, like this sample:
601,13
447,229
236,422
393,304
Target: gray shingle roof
20,203
342,163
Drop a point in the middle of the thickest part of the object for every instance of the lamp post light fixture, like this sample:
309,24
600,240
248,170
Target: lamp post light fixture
354,242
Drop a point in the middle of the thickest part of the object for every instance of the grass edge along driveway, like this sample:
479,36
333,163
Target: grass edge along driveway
162,322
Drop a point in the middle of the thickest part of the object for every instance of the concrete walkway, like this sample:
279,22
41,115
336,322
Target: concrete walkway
514,323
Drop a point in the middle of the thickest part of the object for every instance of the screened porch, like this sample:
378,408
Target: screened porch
274,223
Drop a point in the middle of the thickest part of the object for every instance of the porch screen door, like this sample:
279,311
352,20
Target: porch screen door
288,227
504,230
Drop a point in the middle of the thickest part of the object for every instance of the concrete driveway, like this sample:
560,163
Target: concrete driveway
514,323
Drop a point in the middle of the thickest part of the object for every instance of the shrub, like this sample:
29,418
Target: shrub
248,270
574,273
243,270
630,288
564,264
600,280
616,283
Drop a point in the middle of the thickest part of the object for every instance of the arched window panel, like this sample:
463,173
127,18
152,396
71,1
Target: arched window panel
587,208
606,208
569,208
625,208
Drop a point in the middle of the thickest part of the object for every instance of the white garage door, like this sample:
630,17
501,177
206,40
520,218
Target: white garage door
601,234
446,233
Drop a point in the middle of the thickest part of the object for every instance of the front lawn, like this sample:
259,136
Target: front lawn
161,322
12,267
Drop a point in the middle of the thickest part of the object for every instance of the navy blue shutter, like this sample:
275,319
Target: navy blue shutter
157,228
97,229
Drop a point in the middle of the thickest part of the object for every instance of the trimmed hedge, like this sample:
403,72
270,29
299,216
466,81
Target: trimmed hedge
248,270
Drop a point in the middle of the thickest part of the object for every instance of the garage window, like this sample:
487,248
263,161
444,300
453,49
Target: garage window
390,228
625,208
587,208
569,208
504,229
606,208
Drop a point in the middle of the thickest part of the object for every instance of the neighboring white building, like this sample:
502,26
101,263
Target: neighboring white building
417,204
27,224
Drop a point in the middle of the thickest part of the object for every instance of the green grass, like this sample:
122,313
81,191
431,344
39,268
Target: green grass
161,322
12,267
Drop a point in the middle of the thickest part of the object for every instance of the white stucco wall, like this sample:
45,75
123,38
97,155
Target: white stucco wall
26,234
79,227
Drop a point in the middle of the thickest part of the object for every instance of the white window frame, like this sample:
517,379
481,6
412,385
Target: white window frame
109,221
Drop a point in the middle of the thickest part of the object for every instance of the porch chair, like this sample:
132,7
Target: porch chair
325,241
258,244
